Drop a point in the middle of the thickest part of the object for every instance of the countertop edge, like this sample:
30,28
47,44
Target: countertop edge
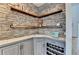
15,40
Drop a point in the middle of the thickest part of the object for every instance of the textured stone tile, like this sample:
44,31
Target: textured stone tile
2,19
3,10
15,18
3,15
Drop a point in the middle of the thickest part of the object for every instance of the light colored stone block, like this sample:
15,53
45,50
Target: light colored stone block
4,10
2,19
3,15
5,26
5,6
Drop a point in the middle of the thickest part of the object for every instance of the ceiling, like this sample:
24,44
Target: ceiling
38,4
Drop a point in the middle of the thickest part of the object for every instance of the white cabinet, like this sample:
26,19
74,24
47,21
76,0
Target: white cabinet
0,51
22,48
33,46
27,47
39,46
11,50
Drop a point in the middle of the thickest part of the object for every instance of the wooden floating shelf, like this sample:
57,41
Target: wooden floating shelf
33,27
35,15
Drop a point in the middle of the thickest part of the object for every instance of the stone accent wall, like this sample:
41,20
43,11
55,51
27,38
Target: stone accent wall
52,21
4,23
8,17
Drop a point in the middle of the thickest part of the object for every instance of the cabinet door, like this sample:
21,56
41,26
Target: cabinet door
27,47
0,51
39,46
11,50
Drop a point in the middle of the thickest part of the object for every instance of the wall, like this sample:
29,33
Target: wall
4,23
13,17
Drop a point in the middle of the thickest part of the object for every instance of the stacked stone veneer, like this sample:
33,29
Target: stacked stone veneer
8,17
4,23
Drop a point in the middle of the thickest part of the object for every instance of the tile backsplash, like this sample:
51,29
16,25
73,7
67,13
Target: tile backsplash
13,17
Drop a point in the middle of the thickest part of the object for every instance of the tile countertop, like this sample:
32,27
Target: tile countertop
14,40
